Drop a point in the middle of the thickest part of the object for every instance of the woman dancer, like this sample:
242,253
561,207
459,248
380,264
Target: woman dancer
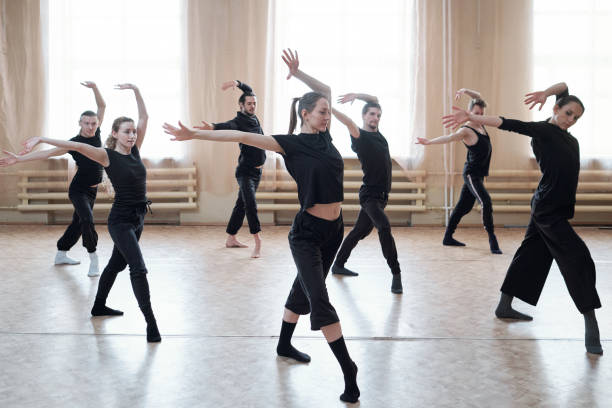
475,137
317,167
549,235
121,160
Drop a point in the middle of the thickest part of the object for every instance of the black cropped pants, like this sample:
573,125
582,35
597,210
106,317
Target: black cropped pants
313,242
82,224
245,203
473,188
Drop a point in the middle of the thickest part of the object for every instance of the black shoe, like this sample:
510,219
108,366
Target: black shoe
341,270
396,285
153,335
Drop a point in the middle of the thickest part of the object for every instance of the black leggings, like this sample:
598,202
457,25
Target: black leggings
544,242
82,221
125,227
473,188
313,242
371,215
246,204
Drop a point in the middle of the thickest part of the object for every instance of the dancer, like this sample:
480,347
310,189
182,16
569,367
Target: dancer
248,171
317,167
475,137
121,160
549,235
373,153
83,188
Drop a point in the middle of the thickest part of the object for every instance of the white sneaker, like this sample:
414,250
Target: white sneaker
61,258
93,265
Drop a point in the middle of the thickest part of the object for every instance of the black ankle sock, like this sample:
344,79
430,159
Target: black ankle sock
591,333
284,347
450,241
493,244
505,311
100,309
349,369
153,335
396,284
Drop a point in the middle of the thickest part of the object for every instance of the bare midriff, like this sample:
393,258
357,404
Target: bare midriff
329,212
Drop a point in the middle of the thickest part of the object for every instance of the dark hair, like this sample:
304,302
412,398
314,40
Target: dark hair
111,142
477,102
369,105
567,99
88,113
244,95
308,101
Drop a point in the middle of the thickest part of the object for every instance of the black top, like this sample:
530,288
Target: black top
315,165
128,176
478,155
373,152
89,172
250,156
558,155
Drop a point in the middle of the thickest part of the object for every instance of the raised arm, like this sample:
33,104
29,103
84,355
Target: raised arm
460,116
99,100
540,97
461,134
350,97
264,142
348,122
469,92
97,154
293,63
143,117
236,84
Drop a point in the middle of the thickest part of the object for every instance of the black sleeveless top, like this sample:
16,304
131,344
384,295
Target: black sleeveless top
478,155
315,165
89,172
129,178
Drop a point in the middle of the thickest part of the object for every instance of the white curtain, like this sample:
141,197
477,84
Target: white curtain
110,42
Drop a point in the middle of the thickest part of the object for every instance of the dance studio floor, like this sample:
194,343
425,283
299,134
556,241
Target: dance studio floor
219,312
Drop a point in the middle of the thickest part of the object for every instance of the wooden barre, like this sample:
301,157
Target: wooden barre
529,185
103,206
106,196
527,197
64,173
345,207
276,195
64,184
527,208
290,185
394,173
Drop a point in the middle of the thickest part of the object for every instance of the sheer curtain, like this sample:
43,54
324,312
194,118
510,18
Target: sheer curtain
572,44
110,42
353,46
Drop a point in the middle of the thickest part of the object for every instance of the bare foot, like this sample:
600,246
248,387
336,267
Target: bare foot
232,242
257,250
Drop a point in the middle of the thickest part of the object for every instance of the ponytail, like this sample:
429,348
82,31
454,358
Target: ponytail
293,116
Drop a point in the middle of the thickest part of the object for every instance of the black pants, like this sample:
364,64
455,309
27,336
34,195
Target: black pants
543,243
125,227
246,204
313,242
473,188
82,221
371,215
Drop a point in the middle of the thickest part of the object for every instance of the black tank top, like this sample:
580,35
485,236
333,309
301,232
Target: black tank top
478,155
129,178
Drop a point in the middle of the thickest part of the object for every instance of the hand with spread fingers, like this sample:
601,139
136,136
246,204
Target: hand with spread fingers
180,133
205,126
534,98
292,61
455,119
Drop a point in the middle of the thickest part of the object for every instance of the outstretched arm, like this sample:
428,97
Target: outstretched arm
469,92
350,97
97,154
143,117
540,97
293,63
13,158
460,116
348,122
461,134
264,142
99,100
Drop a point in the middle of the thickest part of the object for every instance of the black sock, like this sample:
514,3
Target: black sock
396,283
505,311
153,335
493,245
591,333
449,240
100,309
284,347
349,369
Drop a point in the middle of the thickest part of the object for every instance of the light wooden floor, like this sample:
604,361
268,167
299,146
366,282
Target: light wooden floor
219,312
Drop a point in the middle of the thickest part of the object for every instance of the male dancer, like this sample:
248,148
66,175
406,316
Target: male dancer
248,171
373,153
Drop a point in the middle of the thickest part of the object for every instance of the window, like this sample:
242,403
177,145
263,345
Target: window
572,44
110,42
